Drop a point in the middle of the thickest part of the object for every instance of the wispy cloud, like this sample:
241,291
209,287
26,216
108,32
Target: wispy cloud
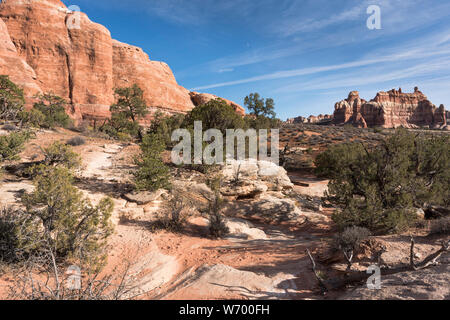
406,52
225,70
311,30
295,25
368,77
200,11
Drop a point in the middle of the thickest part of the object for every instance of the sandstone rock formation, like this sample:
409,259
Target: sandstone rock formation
132,65
65,53
73,63
348,109
14,66
428,284
261,189
311,119
249,178
224,282
202,98
390,110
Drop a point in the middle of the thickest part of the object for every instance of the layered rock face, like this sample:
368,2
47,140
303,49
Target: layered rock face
11,64
74,63
349,110
390,110
132,65
311,119
56,50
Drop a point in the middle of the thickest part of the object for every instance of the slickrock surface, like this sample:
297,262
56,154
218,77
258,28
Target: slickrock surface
65,53
429,284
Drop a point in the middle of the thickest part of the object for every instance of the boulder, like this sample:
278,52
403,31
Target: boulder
270,206
243,229
273,207
143,198
249,178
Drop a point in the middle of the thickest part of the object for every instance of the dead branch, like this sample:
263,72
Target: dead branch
431,260
322,285
353,277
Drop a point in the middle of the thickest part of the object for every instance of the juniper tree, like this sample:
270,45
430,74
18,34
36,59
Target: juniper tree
53,110
65,221
12,144
152,174
216,114
11,99
164,125
381,188
262,112
130,107
60,154
259,106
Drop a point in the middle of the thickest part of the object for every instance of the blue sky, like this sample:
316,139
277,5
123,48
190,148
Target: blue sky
306,54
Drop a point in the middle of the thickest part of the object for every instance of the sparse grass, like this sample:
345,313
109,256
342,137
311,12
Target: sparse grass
9,127
217,225
179,210
351,238
76,141
441,226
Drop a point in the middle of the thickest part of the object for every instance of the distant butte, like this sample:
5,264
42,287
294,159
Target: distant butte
390,109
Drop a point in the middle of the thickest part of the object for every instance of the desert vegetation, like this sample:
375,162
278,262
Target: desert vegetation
126,113
152,174
381,188
81,193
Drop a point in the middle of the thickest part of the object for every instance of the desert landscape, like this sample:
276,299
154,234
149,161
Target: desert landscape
93,207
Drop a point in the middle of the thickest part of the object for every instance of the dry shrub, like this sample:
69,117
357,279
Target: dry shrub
441,226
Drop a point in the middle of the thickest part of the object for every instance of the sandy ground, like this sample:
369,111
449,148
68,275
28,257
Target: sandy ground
190,265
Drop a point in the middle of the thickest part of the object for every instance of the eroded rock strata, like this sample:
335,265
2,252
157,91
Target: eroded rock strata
390,110
47,48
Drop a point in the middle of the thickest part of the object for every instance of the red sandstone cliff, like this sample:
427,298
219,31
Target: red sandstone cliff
390,110
82,65
11,64
75,64
132,65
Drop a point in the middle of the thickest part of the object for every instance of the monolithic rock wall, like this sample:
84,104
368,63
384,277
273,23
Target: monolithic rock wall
80,63
12,64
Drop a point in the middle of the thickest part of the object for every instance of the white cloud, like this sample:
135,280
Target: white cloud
410,51
225,70
368,77
298,25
